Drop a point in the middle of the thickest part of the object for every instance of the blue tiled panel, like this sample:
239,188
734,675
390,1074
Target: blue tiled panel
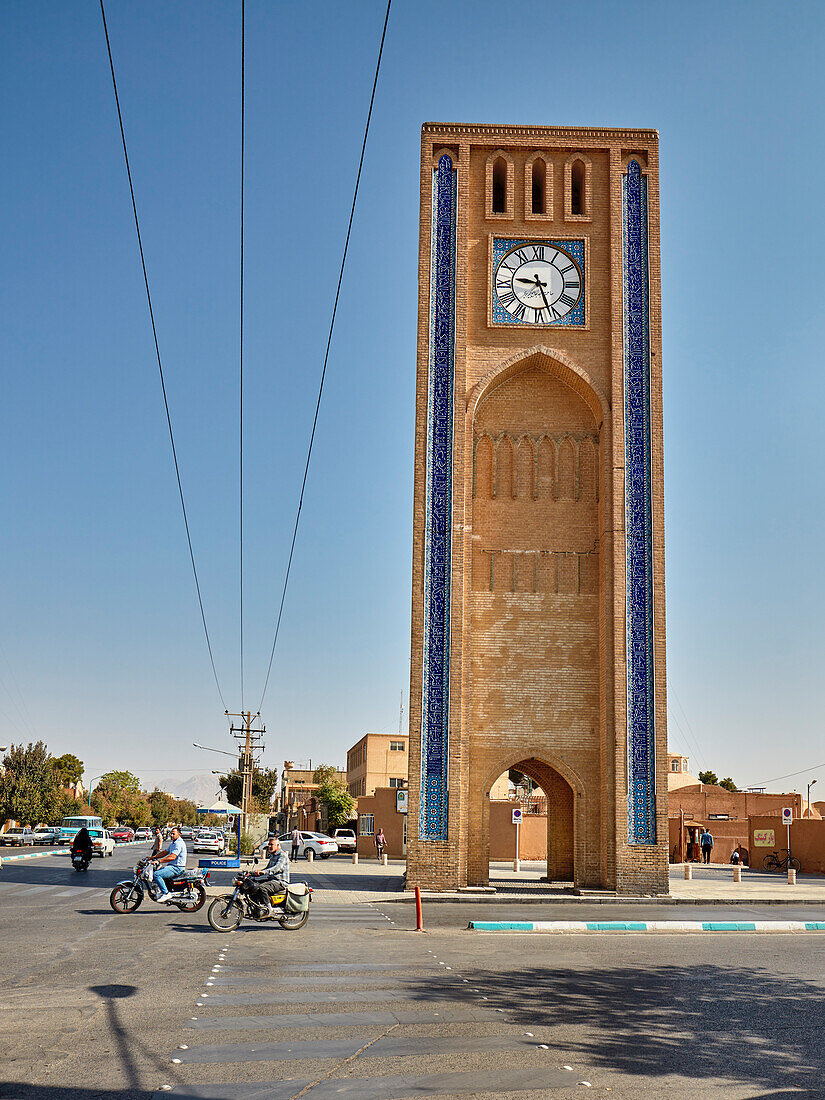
575,318
435,706
641,790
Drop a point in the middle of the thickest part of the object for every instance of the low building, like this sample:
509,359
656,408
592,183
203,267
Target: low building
297,788
377,760
385,808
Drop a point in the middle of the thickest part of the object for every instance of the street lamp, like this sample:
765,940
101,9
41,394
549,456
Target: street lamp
809,796
208,748
90,786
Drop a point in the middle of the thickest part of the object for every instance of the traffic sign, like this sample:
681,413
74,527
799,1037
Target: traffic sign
787,815
517,817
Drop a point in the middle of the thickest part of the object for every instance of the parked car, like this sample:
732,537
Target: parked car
102,843
18,836
346,840
122,834
321,845
143,833
209,842
46,834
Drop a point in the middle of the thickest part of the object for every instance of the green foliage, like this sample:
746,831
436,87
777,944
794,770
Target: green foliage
708,777
29,788
728,784
264,782
247,844
68,768
334,795
119,781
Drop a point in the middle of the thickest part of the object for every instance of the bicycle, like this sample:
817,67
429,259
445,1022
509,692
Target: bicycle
774,861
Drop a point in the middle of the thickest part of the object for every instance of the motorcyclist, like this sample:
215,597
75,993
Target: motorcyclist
82,844
171,861
274,875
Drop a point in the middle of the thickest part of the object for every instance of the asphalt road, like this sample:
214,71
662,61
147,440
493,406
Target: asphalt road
358,1005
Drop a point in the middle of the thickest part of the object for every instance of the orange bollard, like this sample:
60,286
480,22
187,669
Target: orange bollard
419,919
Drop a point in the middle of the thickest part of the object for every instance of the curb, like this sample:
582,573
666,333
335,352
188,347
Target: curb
573,899
561,926
64,850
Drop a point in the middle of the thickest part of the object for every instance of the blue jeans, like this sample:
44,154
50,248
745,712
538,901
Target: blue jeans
164,872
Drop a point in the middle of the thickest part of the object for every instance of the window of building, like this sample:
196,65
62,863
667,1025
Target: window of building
538,186
396,782
366,825
500,186
396,746
577,187
674,767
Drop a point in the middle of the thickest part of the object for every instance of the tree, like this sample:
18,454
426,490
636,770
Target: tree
119,781
161,807
69,769
264,782
708,777
29,787
334,795
728,784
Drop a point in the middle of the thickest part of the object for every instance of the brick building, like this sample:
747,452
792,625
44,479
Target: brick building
538,638
377,760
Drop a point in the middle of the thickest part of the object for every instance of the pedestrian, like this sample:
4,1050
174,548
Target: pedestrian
380,842
158,842
735,857
706,844
296,840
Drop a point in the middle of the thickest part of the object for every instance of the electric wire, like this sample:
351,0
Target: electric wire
326,357
240,382
158,356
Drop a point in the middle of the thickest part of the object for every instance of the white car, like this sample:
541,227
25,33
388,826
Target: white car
209,842
346,840
102,843
321,845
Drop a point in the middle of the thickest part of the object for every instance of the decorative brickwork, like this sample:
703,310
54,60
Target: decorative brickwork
536,577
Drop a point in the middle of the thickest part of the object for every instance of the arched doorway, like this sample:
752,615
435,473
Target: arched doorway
491,833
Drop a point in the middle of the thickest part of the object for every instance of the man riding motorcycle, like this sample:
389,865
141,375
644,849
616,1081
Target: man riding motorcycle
82,845
275,876
171,861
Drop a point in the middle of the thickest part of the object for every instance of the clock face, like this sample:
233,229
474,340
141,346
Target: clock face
538,283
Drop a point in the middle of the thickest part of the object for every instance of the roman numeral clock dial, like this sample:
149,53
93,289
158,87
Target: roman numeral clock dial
537,284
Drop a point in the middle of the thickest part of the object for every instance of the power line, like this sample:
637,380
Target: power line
240,383
326,357
157,354
790,775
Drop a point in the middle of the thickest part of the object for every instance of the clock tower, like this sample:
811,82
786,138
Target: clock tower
538,628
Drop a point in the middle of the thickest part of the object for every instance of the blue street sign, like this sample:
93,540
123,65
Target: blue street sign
219,862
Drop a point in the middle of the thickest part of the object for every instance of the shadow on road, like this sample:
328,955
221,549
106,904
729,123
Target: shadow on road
737,1023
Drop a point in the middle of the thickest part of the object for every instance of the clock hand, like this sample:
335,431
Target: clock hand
530,282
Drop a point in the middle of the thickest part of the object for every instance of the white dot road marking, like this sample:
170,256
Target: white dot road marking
529,1035
565,1067
176,1061
585,1083
165,1088
183,1046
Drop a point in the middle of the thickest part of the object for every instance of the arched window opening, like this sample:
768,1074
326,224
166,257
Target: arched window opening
500,186
539,186
577,187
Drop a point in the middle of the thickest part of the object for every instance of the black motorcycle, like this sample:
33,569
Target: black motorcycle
187,890
291,907
80,861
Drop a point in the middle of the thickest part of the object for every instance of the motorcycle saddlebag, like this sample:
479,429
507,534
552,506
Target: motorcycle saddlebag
297,898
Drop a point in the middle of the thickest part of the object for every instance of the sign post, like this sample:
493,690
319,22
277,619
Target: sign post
517,823
787,818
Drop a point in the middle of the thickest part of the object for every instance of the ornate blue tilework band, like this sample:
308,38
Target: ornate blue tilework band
435,705
641,745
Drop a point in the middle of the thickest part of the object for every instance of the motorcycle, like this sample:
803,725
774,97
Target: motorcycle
80,862
291,907
187,890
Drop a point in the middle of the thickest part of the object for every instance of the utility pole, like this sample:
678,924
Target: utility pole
401,713
252,738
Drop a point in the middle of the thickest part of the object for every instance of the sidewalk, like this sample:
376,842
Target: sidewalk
339,880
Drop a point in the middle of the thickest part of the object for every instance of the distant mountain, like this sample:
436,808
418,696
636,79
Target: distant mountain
201,789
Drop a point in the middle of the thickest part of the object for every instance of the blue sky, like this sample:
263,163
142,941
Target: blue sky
101,649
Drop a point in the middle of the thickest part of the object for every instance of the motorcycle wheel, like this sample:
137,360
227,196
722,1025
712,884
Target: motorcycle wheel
121,901
291,922
224,914
198,903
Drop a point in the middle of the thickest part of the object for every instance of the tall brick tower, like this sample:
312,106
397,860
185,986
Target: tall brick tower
538,626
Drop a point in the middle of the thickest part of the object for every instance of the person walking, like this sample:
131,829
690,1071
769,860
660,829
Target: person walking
380,842
706,844
158,842
296,840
